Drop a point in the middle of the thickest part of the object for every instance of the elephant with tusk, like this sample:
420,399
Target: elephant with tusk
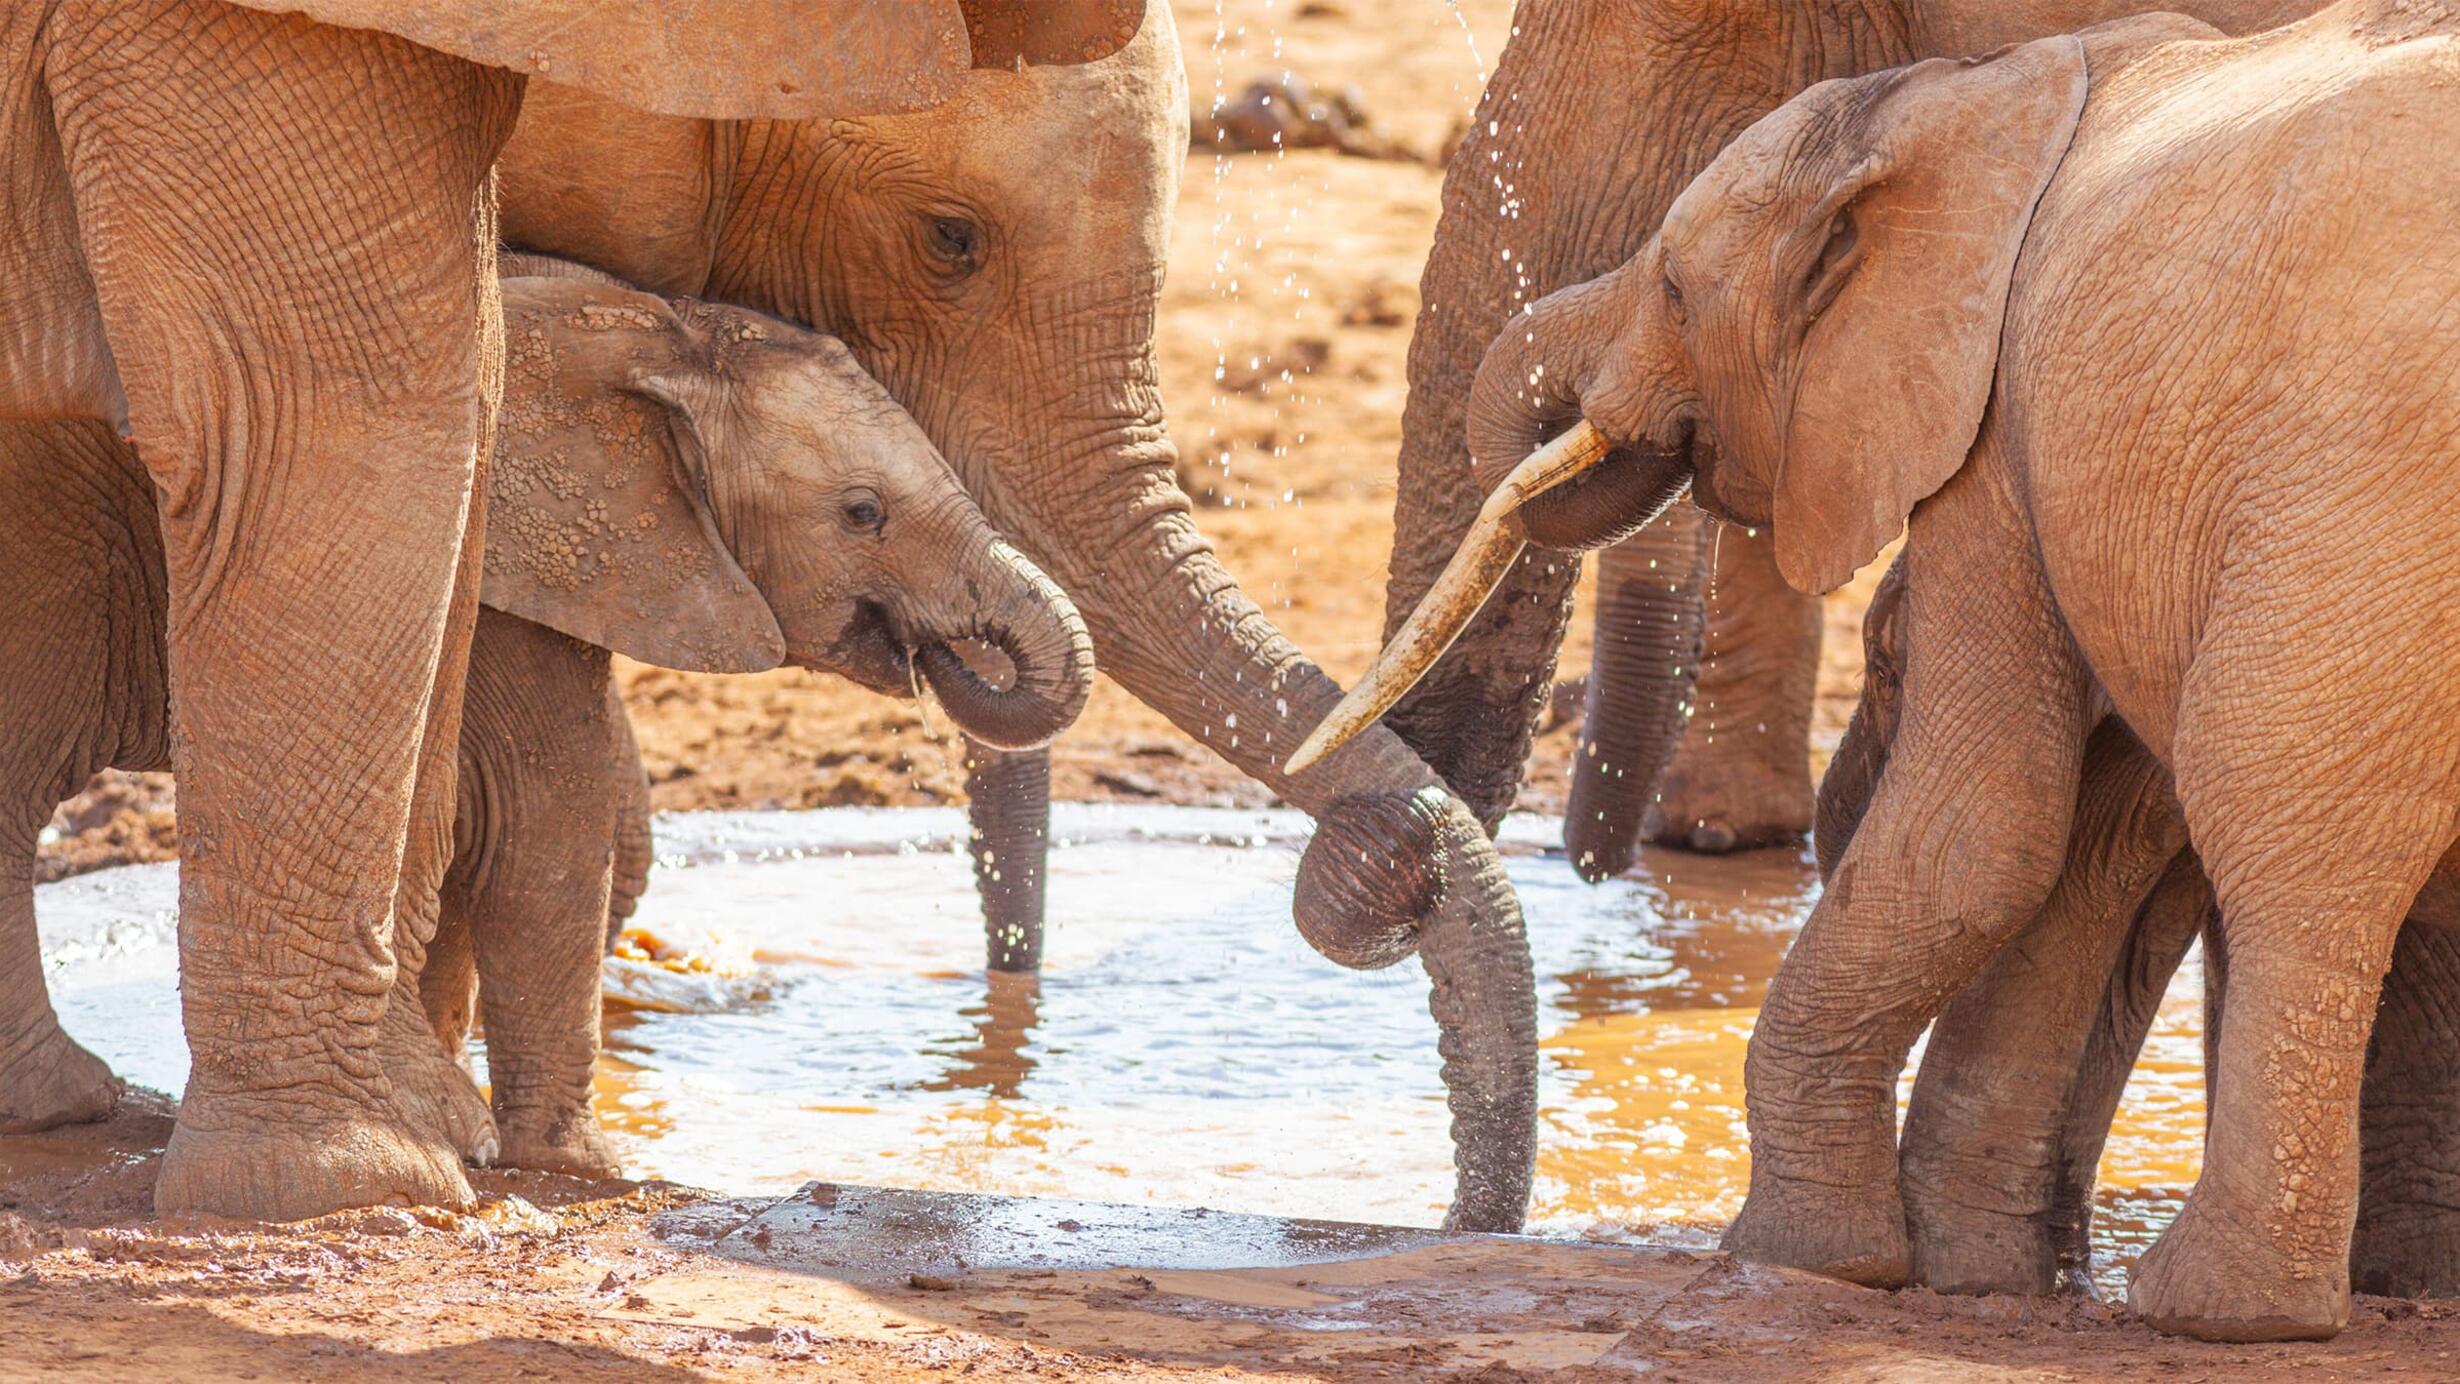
1944,299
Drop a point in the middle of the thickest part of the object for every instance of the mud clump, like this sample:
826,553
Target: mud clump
1287,112
120,819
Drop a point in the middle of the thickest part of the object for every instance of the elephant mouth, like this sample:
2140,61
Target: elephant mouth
871,653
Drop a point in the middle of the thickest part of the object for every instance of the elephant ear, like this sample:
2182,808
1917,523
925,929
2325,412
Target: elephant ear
1907,290
768,59
598,518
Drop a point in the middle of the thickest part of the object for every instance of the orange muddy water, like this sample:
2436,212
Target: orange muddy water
1182,1048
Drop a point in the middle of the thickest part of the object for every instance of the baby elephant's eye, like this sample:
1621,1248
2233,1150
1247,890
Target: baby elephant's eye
862,514
955,241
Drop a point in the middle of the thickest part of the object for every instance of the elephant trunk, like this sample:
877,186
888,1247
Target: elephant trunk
1010,811
1034,624
1395,864
1648,641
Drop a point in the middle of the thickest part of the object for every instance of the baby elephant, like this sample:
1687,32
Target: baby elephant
687,484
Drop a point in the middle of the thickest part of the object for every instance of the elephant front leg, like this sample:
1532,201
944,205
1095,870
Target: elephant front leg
46,1078
1980,1156
290,231
1958,851
1741,776
1008,797
2407,1242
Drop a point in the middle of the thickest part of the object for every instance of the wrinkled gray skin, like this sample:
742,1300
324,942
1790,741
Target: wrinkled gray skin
995,263
2025,1069
1599,112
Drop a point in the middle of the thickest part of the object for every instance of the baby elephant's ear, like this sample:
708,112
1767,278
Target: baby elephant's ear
598,520
1917,243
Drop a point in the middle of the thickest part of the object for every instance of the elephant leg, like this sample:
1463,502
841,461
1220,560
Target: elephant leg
1008,796
636,847
291,236
1742,775
2261,1249
547,770
1979,1157
2407,1242
46,1078
1959,850
428,1062
1648,639
448,980
2178,911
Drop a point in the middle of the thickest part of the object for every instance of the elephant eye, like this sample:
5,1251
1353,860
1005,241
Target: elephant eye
862,514
954,241
1674,295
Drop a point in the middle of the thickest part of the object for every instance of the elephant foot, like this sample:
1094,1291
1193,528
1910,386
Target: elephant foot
51,1082
273,1160
433,1092
567,1142
1852,1233
2217,1281
1715,808
1964,1250
2408,1251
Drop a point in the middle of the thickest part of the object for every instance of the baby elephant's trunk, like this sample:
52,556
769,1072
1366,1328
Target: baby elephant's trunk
1024,616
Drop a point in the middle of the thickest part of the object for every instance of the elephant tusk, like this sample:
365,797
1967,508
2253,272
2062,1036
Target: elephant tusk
1493,544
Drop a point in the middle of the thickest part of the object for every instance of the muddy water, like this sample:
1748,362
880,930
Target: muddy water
1182,1046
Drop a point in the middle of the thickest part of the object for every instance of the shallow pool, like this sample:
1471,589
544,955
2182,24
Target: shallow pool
1182,1045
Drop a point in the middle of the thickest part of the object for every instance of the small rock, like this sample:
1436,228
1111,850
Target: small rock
930,1283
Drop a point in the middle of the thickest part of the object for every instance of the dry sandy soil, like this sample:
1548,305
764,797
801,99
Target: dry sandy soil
550,1278
1304,261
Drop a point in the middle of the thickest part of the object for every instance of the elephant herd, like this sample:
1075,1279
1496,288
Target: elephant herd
376,371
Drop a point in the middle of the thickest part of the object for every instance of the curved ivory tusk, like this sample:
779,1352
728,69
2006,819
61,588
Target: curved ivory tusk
1493,544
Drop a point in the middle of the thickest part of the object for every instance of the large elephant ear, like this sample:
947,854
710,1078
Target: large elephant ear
1908,290
598,520
772,59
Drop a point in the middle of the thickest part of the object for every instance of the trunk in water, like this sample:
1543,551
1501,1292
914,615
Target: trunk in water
1009,805
1648,638
1395,865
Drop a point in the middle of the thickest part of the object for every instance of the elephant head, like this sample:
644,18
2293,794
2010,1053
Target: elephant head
996,263
1598,114
1810,341
706,488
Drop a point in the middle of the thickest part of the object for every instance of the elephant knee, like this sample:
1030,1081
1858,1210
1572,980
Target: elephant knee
1374,872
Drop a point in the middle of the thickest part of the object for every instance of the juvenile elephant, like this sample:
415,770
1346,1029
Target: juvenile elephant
691,485
1953,292
1598,114
260,241
996,262
2026,1067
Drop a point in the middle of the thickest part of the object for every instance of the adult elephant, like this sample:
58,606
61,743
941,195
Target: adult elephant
1599,112
996,263
262,242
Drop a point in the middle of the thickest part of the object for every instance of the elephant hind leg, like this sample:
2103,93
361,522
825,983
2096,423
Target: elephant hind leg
2261,1251
1741,777
46,1078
